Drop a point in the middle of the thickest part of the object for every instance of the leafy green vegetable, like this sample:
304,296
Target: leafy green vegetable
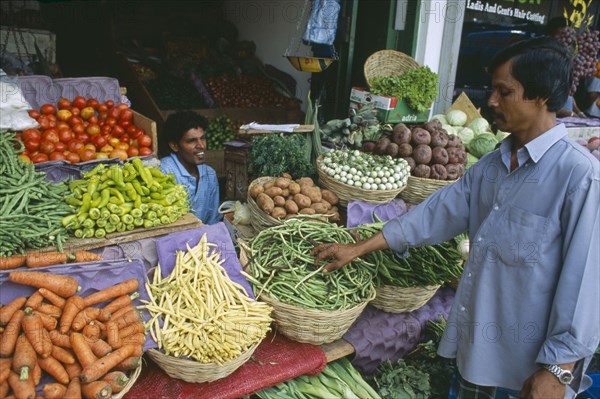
401,381
418,87
481,144
274,154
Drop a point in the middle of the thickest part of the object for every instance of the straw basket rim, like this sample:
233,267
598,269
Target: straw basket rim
132,379
348,193
419,188
196,372
387,63
393,299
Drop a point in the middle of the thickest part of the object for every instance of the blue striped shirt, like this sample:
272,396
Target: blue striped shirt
204,199
530,290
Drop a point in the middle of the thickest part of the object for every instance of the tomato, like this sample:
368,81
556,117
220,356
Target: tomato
126,114
29,134
57,155
64,103
89,146
138,132
99,141
92,102
121,146
132,152
110,121
64,114
145,151
87,112
102,109
47,147
75,145
122,154
25,159
131,129
48,109
75,111
113,141
124,124
32,145
51,135
144,140
72,157
122,106
79,102
74,120
107,148
87,154
93,129
63,126
118,131
33,113
93,119
65,135
79,128
125,139
60,146
83,137
38,158
105,129
110,104
101,155
44,122
114,112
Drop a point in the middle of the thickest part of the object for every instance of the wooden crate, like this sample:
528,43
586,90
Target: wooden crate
216,160
149,127
236,173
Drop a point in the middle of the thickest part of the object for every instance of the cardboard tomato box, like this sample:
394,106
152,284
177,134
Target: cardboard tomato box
389,109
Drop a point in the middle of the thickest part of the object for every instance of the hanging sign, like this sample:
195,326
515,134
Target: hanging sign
577,12
536,11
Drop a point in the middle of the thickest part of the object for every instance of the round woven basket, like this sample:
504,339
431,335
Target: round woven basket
418,188
348,193
259,219
132,378
402,299
312,326
193,371
387,63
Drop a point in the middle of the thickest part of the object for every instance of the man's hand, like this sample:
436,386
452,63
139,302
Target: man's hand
342,254
542,385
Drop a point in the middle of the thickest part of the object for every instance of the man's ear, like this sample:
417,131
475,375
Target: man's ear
173,146
541,102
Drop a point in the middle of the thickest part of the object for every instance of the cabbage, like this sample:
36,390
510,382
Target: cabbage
482,144
449,129
441,118
480,125
456,117
465,134
471,159
500,135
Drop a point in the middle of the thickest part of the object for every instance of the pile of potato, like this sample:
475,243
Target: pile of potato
284,198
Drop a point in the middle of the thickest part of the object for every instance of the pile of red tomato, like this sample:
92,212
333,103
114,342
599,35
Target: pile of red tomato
83,130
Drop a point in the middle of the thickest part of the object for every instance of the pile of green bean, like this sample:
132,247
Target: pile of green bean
283,268
426,265
31,208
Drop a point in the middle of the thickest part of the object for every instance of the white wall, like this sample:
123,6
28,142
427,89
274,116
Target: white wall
272,24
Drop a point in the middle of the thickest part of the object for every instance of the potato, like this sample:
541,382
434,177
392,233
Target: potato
278,200
273,191
278,212
319,207
438,172
291,207
282,182
329,196
294,188
290,216
333,209
265,203
314,193
439,155
335,217
422,170
326,203
307,180
269,184
302,201
420,136
307,211
286,175
422,154
256,189
285,192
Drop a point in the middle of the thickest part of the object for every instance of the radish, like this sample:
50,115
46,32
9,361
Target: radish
593,143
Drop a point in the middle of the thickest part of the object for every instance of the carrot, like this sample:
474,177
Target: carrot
73,370
103,365
73,389
121,302
138,351
62,355
12,262
86,256
53,367
21,388
41,259
59,339
135,339
92,330
61,285
111,292
122,311
48,321
132,316
96,390
8,339
112,332
36,374
99,347
49,309
117,380
34,300
129,364
54,299
4,388
132,329
102,328
74,305
25,357
87,315
34,330
4,369
7,311
82,350
54,391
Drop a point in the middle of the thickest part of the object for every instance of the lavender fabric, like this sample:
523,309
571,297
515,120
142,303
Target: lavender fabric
360,212
218,234
378,336
572,121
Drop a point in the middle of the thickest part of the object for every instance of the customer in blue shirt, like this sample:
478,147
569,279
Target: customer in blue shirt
526,310
185,133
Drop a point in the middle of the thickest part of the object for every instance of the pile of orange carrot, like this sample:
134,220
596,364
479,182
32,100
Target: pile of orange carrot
47,258
85,348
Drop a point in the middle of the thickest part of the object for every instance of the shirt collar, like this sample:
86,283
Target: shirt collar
182,170
536,148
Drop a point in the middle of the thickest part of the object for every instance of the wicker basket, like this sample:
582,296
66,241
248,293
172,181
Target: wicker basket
348,193
193,371
402,299
259,219
312,326
132,378
418,188
387,63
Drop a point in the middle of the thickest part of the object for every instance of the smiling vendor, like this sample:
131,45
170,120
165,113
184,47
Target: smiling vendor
185,133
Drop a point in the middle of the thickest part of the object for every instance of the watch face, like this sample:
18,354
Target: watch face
566,377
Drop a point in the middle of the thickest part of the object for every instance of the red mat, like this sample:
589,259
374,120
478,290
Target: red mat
276,359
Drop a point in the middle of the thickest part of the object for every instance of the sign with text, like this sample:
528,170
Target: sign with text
536,11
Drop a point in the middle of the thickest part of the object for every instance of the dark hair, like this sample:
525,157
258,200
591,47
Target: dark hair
543,66
178,124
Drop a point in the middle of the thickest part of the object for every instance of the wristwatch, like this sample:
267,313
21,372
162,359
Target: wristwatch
564,376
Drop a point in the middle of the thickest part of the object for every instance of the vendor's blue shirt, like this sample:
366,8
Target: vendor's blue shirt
204,199
530,290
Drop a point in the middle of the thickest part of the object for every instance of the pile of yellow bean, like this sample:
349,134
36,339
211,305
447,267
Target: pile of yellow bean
205,315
